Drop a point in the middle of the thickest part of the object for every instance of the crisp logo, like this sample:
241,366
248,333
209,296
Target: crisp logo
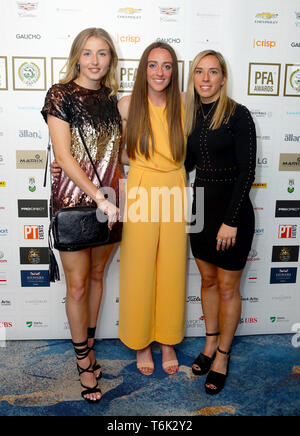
263,43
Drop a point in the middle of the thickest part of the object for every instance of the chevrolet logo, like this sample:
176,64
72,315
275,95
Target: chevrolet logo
130,10
267,15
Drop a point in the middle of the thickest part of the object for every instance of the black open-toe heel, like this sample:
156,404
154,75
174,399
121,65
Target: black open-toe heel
203,361
216,378
81,354
96,366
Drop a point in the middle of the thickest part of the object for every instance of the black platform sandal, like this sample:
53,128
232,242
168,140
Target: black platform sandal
96,366
203,361
216,378
81,354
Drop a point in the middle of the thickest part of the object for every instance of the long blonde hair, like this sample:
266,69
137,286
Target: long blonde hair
139,129
110,79
225,106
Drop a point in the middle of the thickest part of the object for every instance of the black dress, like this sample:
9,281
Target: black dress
225,161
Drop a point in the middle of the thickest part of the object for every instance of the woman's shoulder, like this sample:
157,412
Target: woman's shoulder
241,111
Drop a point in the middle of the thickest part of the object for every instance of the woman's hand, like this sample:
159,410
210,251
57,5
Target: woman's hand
112,212
226,237
55,170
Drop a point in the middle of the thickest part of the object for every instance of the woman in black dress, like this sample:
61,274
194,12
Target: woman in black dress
85,102
222,148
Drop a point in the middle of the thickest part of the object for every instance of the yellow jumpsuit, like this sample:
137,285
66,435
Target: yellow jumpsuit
153,246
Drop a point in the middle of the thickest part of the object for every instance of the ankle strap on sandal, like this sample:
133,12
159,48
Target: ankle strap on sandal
213,334
223,352
91,332
83,352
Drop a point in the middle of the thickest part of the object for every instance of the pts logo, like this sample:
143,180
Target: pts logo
287,231
263,79
33,232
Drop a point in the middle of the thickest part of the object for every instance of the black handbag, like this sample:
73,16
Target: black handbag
75,228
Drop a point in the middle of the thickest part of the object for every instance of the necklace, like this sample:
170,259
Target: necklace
205,116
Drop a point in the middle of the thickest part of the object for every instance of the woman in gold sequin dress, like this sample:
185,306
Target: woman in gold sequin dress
222,147
86,100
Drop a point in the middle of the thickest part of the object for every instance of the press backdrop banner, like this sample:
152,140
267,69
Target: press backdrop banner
260,40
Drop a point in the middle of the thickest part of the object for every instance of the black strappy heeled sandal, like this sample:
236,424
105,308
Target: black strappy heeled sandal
82,353
96,366
216,378
203,361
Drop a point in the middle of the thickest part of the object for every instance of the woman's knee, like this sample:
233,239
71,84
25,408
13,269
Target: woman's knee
209,281
227,291
77,290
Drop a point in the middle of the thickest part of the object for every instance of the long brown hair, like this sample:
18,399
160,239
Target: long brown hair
225,106
110,79
139,129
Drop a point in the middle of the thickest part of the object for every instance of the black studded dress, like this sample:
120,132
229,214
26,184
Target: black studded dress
224,160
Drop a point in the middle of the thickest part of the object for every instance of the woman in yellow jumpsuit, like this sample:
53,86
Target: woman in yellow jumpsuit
153,247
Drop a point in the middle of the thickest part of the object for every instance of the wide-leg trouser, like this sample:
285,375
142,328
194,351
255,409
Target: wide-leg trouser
153,261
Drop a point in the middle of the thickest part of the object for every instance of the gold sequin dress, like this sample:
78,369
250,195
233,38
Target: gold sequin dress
97,116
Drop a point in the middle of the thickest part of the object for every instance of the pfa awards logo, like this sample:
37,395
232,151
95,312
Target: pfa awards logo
3,73
292,80
58,69
263,79
29,74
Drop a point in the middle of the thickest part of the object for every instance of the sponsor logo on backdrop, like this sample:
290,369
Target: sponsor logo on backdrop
3,231
297,22
287,231
292,80
2,160
259,185
6,303
36,324
2,257
129,39
31,159
6,324
29,73
34,255
287,208
30,36
253,256
283,275
276,319
249,320
3,73
27,8
168,14
257,113
3,278
285,253
259,232
195,323
263,43
291,186
263,79
193,299
290,137
250,299
252,276
24,133
169,40
262,162
289,162
31,184
58,69
2,183
295,44
32,278
33,231
32,208
129,14
266,18
127,69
